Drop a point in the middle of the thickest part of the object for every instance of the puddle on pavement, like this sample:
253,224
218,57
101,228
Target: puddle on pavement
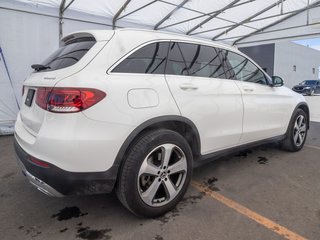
93,234
68,213
262,160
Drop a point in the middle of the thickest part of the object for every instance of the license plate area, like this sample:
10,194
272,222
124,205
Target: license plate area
30,97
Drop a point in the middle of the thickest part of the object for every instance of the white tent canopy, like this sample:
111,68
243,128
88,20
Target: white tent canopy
30,29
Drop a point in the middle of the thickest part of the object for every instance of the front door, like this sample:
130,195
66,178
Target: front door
265,107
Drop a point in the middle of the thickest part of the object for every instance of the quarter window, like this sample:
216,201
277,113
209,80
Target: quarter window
148,59
240,68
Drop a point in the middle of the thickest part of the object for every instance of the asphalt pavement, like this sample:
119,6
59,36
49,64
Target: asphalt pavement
261,193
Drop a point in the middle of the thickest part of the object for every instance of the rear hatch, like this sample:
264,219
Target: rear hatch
76,51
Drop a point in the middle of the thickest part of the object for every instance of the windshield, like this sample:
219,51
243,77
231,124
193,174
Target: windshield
68,54
309,82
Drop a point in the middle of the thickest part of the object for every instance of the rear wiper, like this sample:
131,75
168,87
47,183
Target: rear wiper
39,67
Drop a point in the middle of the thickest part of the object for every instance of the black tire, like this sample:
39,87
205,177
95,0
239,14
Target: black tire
311,93
128,189
289,142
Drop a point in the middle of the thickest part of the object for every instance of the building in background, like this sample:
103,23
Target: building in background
289,60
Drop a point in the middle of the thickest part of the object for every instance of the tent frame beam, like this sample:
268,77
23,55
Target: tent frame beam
277,22
256,20
201,14
116,16
138,9
272,31
68,5
61,10
170,14
282,38
213,16
249,18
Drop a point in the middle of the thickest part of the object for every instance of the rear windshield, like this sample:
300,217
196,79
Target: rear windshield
69,54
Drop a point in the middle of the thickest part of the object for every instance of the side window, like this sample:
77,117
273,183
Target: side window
176,64
229,71
148,59
240,68
202,61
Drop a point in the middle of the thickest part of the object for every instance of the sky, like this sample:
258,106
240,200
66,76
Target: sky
312,43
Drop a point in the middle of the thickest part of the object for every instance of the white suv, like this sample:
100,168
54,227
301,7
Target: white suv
136,110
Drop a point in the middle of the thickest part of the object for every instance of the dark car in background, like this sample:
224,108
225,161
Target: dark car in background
308,87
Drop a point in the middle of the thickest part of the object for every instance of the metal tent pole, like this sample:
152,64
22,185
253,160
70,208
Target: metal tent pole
10,79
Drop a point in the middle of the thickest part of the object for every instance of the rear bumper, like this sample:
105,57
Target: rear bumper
57,182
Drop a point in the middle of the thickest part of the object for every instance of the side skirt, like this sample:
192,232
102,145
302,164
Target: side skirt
226,152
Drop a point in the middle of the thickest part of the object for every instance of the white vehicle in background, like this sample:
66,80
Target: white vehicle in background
135,110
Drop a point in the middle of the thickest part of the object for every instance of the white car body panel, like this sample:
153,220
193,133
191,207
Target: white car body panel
224,113
214,105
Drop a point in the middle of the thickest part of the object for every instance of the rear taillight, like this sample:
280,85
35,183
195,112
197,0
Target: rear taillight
68,100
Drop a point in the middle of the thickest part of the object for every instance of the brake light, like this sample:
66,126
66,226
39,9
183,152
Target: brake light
68,100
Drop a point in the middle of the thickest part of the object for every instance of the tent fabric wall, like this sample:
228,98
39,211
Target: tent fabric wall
29,29
8,104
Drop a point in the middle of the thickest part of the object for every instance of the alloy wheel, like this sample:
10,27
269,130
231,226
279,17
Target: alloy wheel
162,175
299,130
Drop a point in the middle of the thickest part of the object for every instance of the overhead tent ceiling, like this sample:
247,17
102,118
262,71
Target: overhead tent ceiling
40,23
234,21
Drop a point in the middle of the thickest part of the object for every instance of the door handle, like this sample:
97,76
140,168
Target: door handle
188,86
247,89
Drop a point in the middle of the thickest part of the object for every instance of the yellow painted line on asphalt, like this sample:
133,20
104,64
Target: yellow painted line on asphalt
311,146
275,227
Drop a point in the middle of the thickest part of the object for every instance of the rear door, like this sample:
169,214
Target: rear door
265,107
198,84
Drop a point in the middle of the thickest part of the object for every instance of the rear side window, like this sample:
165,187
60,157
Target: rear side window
240,68
199,60
148,59
69,54
176,64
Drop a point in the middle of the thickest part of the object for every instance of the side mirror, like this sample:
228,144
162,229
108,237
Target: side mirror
277,81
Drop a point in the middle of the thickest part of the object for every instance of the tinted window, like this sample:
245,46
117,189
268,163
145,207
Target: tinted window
69,54
240,68
229,71
309,82
199,60
176,64
202,61
148,59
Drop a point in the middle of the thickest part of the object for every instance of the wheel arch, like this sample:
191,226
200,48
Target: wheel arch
305,108
179,124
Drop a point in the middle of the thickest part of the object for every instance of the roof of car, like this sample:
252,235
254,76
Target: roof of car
104,35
